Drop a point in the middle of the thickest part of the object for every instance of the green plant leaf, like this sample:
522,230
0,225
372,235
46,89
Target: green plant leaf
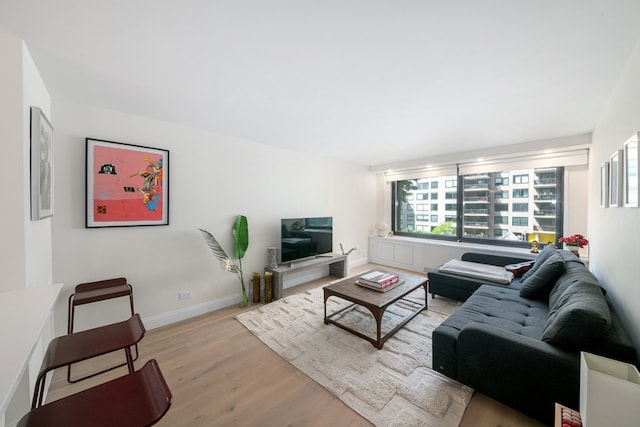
213,244
240,236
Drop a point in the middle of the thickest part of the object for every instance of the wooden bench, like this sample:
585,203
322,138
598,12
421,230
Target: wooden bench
137,399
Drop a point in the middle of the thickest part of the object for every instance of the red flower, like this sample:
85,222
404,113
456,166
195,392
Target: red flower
575,240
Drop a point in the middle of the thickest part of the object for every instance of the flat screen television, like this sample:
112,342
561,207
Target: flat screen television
305,237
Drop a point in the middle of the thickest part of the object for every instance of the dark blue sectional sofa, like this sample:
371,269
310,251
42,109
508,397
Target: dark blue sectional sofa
520,344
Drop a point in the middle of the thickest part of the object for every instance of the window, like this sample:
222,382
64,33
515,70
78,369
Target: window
501,219
521,207
520,221
520,193
521,179
481,208
423,186
422,196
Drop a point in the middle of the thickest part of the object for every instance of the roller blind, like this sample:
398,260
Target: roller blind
551,160
532,161
421,173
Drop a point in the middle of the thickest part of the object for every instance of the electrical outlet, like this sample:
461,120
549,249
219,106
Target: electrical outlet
185,295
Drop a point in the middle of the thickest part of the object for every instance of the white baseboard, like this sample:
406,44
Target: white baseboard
170,317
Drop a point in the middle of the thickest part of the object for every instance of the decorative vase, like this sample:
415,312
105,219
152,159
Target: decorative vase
272,257
268,287
256,288
244,298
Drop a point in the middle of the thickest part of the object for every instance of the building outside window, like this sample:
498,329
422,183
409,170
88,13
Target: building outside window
488,209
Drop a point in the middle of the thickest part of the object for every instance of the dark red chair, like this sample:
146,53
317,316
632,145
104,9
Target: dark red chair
86,293
83,345
138,399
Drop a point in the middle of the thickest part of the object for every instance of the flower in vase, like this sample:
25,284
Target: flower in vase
575,240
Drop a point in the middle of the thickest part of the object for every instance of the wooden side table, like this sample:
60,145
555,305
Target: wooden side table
566,417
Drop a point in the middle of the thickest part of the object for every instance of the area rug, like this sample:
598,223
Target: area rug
394,386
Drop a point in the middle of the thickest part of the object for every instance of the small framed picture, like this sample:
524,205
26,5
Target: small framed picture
630,172
41,165
615,178
127,185
604,184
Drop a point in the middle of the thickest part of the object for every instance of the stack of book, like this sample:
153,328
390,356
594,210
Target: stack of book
379,280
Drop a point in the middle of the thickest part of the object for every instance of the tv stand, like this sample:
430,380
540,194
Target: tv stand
337,267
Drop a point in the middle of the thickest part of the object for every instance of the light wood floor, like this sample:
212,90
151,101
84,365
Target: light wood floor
221,375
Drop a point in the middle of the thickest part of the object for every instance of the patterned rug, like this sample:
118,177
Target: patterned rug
394,386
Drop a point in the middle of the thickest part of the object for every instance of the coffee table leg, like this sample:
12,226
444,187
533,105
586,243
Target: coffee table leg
426,294
377,314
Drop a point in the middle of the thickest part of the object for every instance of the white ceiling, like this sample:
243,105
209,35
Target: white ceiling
367,81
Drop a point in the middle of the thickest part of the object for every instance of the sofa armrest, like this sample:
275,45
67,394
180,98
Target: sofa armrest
522,372
496,259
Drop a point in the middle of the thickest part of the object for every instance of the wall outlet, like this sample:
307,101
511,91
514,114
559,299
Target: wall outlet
184,295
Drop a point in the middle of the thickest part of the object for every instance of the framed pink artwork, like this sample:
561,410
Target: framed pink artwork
127,185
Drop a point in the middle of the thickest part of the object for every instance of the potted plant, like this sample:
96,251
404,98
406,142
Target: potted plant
574,242
240,233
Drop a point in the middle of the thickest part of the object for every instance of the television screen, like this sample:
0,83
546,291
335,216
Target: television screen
305,237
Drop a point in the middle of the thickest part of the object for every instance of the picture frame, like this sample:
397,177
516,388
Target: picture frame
631,191
126,185
615,178
41,136
604,185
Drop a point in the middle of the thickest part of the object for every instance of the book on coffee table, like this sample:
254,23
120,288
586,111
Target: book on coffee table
379,279
378,288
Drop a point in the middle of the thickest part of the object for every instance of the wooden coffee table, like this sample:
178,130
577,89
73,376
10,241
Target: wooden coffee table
376,302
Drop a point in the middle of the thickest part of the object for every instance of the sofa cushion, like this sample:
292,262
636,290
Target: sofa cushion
579,316
542,256
543,279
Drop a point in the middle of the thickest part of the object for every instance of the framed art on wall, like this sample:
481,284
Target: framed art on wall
604,184
41,165
630,172
615,179
127,185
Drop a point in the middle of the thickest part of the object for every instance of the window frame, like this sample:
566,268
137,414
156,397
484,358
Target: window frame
459,237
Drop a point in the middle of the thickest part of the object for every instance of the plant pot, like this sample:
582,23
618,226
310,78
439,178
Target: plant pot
573,249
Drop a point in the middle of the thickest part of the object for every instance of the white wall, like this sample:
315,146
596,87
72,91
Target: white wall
614,233
39,266
12,216
25,255
213,178
25,258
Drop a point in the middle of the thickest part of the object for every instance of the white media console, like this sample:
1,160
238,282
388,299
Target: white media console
337,267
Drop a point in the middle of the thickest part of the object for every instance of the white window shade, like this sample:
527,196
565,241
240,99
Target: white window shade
450,170
535,161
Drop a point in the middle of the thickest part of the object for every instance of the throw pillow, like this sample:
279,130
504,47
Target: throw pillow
542,256
543,278
582,315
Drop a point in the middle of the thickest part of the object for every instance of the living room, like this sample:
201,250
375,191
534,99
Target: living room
216,176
